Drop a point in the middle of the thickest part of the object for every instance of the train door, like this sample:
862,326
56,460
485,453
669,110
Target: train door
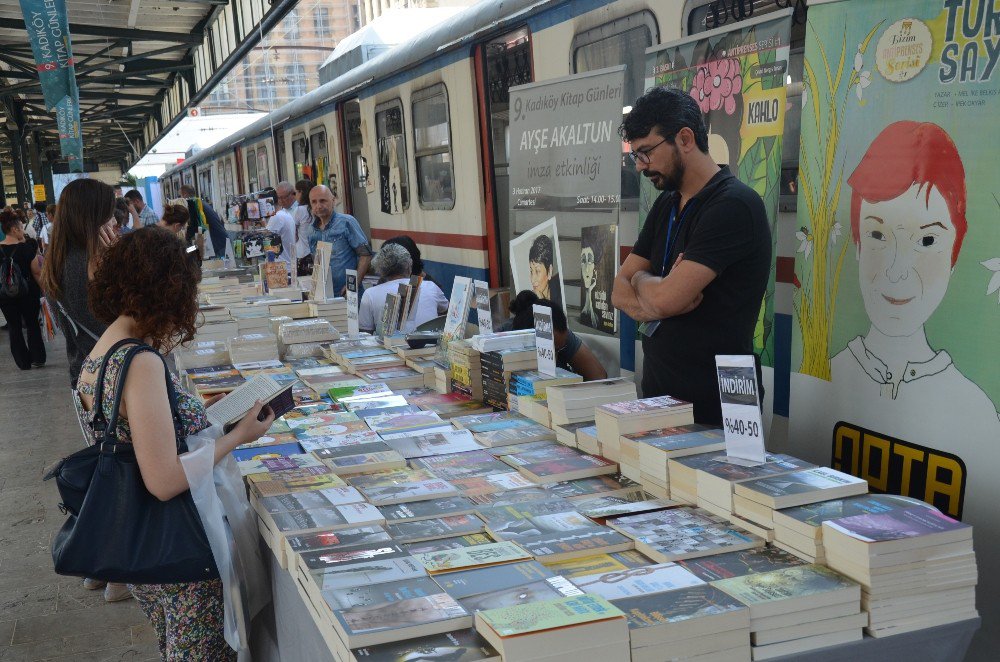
356,170
501,63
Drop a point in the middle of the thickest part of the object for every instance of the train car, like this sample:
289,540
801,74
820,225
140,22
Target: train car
416,141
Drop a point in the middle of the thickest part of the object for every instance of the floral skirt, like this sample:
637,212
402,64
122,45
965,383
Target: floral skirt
187,618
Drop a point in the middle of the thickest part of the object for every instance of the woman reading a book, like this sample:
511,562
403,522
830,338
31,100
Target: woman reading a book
571,352
157,305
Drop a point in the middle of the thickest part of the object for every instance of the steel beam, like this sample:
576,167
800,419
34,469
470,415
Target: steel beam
117,32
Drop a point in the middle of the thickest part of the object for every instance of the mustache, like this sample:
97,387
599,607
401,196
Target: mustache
651,173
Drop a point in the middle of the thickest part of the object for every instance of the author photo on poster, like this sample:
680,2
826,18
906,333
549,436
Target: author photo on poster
535,262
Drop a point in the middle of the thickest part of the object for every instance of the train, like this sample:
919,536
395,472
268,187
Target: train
432,115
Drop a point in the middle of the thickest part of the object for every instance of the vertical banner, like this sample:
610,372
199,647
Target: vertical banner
737,76
565,175
894,342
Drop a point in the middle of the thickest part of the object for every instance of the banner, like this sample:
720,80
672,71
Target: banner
565,167
68,125
737,76
894,342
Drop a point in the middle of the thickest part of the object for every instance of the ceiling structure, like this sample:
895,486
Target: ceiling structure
139,65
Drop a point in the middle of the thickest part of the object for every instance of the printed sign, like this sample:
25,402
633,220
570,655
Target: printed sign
545,347
352,302
458,315
536,262
598,268
322,285
740,396
483,312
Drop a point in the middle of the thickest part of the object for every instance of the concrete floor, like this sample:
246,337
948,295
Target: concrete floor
44,616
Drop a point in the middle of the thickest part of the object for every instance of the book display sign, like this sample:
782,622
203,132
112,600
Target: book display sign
545,347
352,302
483,312
741,421
458,314
321,271
598,268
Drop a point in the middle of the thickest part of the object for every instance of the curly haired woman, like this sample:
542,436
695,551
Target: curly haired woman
157,304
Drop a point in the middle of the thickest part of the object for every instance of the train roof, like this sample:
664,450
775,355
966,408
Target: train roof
450,34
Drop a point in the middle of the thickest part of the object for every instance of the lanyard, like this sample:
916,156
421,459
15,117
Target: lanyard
672,234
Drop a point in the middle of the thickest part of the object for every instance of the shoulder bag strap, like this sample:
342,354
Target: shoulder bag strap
76,326
99,424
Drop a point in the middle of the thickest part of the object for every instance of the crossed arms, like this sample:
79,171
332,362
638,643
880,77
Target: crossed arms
645,297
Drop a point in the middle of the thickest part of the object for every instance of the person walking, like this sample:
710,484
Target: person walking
20,296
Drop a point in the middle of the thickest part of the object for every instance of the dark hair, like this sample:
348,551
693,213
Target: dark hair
8,220
176,214
667,110
187,191
414,251
133,195
160,293
50,211
521,308
303,186
121,212
40,207
84,206
541,250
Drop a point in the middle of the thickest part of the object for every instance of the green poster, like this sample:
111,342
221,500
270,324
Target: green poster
738,78
896,313
47,25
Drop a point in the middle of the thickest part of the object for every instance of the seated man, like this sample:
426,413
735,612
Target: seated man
393,264
571,353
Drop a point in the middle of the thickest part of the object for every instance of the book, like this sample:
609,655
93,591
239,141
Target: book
559,463
458,441
695,611
333,557
491,483
598,563
385,622
293,480
327,519
327,498
455,466
637,581
601,508
471,557
431,529
560,546
589,487
791,589
414,511
882,533
512,433
800,487
444,544
738,564
682,533
544,589
457,646
466,583
807,520
362,535
356,463
372,594
367,572
570,403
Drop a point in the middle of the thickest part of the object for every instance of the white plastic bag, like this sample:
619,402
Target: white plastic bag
230,524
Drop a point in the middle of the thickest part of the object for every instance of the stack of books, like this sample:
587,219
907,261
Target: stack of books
214,379
577,627
534,407
575,403
214,313
698,623
466,370
504,340
216,331
799,530
619,418
497,367
251,319
683,533
333,310
363,358
555,463
566,434
395,377
441,377
755,500
534,383
201,354
798,609
307,330
253,347
294,309
644,456
916,567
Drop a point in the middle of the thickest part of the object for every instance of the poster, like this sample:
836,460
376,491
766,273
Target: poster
894,353
598,268
565,172
536,262
737,76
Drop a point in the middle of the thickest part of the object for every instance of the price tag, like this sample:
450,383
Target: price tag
352,302
739,393
483,312
545,346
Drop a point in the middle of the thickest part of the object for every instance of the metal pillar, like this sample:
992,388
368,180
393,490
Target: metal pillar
35,160
20,174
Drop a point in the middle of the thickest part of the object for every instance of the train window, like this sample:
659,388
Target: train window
394,180
251,170
321,159
300,157
621,41
704,15
263,174
230,179
355,145
432,147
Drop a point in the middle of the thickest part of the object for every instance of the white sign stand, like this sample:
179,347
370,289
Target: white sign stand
739,393
545,347
352,303
483,312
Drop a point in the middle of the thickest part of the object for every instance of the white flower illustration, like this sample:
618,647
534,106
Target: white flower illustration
835,233
994,266
864,80
805,96
805,242
859,60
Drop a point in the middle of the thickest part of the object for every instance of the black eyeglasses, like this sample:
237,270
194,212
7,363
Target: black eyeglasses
642,156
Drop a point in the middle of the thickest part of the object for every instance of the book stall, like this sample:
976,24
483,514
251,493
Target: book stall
459,502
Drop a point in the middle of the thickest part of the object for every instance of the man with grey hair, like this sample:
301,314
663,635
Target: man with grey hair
394,265
283,223
343,232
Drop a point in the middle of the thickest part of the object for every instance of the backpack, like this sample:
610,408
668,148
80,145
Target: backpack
12,282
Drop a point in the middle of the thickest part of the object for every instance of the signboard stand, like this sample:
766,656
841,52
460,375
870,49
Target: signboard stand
483,312
352,303
739,393
545,347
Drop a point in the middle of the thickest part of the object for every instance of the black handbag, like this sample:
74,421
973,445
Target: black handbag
117,531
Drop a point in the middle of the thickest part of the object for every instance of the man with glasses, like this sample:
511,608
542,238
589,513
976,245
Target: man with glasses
697,274
283,223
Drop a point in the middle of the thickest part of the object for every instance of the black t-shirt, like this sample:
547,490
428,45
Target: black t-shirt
725,228
24,254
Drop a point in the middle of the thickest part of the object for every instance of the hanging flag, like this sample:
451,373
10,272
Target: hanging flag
68,125
47,24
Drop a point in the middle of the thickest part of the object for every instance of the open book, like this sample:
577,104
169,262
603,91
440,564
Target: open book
230,409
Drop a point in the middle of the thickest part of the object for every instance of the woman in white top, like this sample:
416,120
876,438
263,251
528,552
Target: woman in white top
394,265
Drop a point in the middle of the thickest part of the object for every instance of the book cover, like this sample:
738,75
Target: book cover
448,543
328,498
643,406
271,450
399,614
368,572
684,532
740,563
459,646
320,419
497,514
595,485
777,463
334,452
441,527
814,514
346,516
576,542
333,429
329,558
787,583
464,583
459,441
897,525
454,466
553,471
440,428
678,606
601,508
598,564
492,483
418,510
519,434
807,481
551,588
523,495
424,489
313,444
391,477
469,557
637,581
373,594
598,266
530,528
362,462
362,535
368,402
549,615
682,437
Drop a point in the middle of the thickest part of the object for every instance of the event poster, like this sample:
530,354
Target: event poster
565,173
737,76
897,307
598,268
